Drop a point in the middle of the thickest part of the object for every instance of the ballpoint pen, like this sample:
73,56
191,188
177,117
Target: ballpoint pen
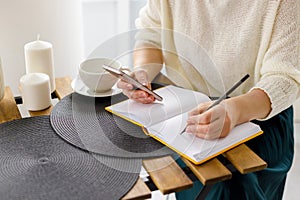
120,74
224,96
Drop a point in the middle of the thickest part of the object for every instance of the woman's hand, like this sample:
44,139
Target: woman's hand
135,94
213,123
218,121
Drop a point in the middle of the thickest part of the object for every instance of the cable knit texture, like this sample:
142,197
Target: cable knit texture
208,45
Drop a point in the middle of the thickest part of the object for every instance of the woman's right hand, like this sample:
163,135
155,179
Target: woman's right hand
135,94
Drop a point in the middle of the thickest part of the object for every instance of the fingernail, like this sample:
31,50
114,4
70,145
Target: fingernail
190,121
145,83
188,130
129,86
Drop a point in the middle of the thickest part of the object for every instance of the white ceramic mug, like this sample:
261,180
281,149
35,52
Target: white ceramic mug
95,77
1,82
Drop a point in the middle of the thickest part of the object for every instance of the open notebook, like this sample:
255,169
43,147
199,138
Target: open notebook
165,120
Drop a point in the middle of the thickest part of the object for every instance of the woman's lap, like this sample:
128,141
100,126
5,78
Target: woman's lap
276,147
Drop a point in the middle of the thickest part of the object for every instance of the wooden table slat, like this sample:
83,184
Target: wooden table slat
63,87
167,175
209,172
139,191
244,159
8,107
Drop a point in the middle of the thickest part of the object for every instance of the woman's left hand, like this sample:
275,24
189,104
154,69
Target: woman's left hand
213,123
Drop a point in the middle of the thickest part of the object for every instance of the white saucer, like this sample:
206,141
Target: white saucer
79,87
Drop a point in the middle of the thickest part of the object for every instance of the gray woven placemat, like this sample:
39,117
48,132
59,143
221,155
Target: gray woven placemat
83,122
35,163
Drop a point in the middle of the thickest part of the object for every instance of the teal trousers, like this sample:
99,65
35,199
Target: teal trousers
276,147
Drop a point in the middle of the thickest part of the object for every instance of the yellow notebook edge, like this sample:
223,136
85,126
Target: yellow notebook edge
208,158
177,151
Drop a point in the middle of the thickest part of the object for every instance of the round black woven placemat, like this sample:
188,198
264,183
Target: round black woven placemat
35,163
83,122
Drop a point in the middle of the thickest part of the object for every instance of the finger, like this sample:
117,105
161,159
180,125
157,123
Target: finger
139,96
142,77
207,131
200,108
197,129
204,118
143,97
124,85
208,116
216,129
147,100
135,94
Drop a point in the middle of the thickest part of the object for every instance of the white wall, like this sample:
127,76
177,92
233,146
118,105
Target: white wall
74,27
108,26
99,23
57,21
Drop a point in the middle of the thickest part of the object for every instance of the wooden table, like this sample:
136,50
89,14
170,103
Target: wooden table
168,179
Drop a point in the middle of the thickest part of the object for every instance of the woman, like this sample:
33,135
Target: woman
208,45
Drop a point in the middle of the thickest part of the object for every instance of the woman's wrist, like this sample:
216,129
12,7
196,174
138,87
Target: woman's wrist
148,58
252,105
151,69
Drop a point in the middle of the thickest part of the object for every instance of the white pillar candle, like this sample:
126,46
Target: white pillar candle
39,59
35,90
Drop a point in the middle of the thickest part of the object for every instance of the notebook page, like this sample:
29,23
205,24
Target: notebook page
196,148
175,101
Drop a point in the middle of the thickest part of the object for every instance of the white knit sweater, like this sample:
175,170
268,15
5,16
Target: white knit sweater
209,45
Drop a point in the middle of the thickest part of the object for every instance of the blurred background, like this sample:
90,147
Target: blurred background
76,28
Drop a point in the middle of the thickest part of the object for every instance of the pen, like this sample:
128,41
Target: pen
220,99
125,77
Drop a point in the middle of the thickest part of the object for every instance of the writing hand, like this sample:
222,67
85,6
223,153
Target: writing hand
213,123
135,94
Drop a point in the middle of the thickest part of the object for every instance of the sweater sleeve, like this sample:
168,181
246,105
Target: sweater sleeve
280,75
149,25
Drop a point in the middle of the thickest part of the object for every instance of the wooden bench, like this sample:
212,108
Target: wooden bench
168,179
